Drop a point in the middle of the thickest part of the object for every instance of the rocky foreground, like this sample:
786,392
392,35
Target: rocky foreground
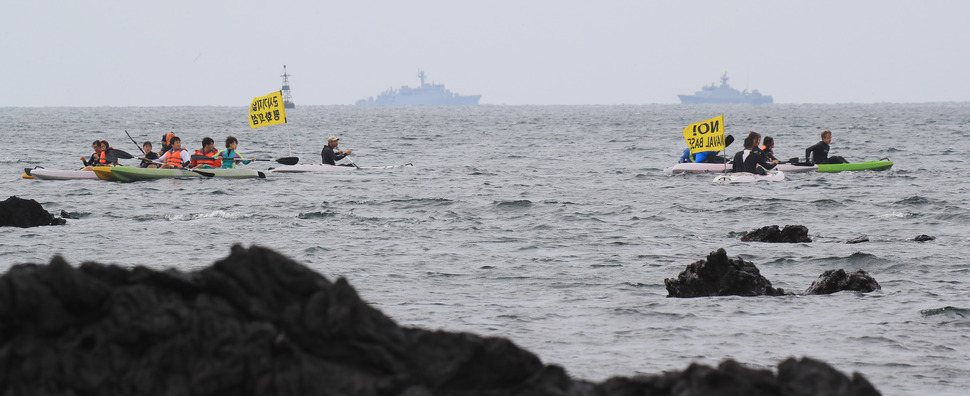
258,323
25,213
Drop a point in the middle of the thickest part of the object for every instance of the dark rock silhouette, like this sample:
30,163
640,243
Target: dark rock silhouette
720,276
832,281
859,239
923,238
258,323
790,234
24,213
66,215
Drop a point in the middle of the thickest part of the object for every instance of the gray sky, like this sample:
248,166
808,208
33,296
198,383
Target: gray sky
173,53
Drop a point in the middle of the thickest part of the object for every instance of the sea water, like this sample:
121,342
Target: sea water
554,226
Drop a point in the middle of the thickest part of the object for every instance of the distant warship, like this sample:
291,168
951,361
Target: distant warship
724,93
287,99
424,95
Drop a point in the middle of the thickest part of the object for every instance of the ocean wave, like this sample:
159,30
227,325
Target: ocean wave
221,214
948,311
520,203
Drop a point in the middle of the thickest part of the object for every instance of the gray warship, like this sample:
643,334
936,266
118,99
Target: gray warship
424,95
724,93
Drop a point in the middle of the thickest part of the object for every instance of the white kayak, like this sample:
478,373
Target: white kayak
59,174
716,168
745,177
322,168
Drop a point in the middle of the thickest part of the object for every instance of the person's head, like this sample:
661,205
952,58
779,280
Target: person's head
96,145
827,136
104,145
147,146
769,142
208,143
332,141
748,142
755,138
231,142
175,142
167,138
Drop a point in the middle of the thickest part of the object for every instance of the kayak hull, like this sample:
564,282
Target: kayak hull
322,168
718,168
104,173
857,166
745,177
131,173
59,174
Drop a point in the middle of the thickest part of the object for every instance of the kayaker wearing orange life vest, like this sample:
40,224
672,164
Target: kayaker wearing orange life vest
176,157
166,142
107,157
209,151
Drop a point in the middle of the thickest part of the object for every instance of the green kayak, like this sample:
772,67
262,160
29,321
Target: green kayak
857,166
131,173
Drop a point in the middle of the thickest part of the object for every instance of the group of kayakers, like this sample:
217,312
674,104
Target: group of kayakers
172,155
757,157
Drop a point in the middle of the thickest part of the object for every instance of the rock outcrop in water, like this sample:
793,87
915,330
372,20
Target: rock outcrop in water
833,281
24,213
923,238
790,234
258,323
720,276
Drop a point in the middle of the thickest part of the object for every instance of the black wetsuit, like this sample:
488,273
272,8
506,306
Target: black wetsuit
738,164
819,154
151,156
769,154
754,159
329,156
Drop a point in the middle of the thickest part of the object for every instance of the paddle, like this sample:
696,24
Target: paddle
136,143
203,173
121,154
284,160
352,162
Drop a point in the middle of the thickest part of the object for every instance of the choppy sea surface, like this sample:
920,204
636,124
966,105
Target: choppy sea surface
554,226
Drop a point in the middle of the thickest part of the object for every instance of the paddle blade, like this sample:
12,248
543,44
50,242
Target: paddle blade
728,140
121,154
206,174
288,160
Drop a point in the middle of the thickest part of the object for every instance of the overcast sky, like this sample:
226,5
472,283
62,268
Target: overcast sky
202,52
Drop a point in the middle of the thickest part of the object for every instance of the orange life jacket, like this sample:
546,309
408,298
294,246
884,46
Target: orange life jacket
212,161
174,158
103,159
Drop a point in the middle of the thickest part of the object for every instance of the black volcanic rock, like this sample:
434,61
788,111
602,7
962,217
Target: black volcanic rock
923,238
832,281
24,213
258,323
790,234
720,276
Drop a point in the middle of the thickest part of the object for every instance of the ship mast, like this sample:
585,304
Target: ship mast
421,76
287,99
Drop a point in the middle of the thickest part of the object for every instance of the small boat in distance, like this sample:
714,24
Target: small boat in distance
724,93
424,95
287,99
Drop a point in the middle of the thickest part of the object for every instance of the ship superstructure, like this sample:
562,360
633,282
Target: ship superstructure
424,95
724,93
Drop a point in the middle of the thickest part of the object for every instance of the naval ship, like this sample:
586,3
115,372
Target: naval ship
724,93
424,95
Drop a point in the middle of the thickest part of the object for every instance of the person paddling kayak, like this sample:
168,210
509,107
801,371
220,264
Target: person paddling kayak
750,159
176,157
207,157
329,156
93,160
229,156
709,157
149,156
819,153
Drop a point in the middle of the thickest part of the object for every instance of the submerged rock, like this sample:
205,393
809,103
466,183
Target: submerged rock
258,323
859,239
720,276
790,234
24,213
832,281
923,238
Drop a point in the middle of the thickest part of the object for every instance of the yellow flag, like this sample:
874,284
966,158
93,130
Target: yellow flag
267,110
705,135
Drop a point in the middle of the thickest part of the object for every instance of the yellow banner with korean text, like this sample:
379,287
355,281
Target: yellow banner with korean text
705,135
267,110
